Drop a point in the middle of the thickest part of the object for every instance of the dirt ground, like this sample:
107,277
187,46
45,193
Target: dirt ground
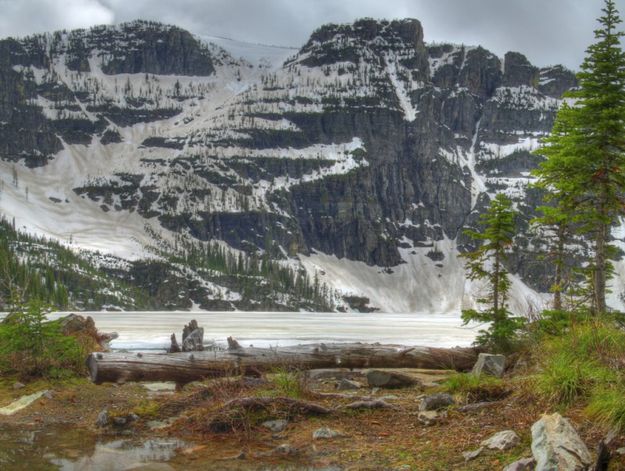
372,439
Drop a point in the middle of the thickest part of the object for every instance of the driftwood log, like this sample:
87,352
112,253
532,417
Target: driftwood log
186,367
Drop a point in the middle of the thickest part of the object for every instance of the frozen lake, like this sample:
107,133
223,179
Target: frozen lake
151,330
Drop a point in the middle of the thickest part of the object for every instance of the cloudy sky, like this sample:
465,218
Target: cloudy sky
547,31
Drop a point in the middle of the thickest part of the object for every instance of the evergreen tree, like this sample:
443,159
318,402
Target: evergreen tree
487,263
557,230
585,166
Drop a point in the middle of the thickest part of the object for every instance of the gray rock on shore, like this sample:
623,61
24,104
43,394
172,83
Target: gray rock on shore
436,402
390,379
556,445
502,441
489,364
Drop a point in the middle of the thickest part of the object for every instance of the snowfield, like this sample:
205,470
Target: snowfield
43,201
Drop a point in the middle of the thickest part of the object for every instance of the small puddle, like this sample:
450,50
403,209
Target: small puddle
79,450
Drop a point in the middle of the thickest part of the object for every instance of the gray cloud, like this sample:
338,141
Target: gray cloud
547,31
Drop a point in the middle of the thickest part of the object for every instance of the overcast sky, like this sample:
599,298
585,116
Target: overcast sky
547,31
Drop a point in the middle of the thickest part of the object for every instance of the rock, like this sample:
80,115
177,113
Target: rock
620,451
518,71
436,402
489,364
103,418
502,441
430,417
347,384
471,455
325,432
556,445
18,385
276,426
48,394
525,464
390,379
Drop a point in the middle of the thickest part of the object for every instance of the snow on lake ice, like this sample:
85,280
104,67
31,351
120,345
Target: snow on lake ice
151,330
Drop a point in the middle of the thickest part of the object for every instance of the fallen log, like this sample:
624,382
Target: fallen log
186,367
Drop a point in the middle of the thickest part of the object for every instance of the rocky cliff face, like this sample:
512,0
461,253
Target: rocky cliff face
359,157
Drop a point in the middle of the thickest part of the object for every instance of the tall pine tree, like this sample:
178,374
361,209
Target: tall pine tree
487,263
585,166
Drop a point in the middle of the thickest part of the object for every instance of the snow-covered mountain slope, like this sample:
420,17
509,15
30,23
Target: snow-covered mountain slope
359,157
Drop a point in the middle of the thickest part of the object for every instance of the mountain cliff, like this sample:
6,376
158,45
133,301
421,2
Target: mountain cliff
353,163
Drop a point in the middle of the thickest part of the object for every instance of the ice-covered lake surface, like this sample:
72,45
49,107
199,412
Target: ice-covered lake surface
151,330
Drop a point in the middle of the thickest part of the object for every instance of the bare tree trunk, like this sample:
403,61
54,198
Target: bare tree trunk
557,279
496,284
186,367
600,269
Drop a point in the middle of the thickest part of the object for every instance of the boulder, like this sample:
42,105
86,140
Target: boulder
502,441
390,379
556,445
436,402
525,464
489,364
